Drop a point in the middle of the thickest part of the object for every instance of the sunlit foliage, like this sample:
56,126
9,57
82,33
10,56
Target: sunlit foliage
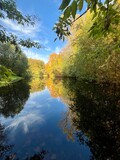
36,67
88,57
105,15
54,66
36,85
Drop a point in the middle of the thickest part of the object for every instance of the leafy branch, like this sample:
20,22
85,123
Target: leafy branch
105,16
8,9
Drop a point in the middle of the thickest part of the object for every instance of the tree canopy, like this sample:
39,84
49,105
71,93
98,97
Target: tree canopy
105,15
16,61
36,67
87,57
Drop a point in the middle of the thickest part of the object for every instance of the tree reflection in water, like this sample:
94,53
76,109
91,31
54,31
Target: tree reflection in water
37,85
95,113
93,116
4,147
13,98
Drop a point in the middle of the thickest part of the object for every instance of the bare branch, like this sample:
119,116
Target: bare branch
80,16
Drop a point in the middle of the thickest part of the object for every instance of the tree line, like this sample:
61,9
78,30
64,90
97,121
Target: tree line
14,64
93,58
92,50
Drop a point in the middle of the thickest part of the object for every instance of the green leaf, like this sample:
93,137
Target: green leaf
66,13
64,4
74,8
80,5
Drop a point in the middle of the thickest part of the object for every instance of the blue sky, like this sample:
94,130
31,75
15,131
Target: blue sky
48,13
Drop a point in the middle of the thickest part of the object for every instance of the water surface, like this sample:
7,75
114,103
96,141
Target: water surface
61,119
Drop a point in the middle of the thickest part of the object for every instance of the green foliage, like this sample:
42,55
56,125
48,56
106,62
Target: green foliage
89,57
64,4
8,9
14,60
95,58
5,73
7,76
74,8
105,22
80,4
105,15
53,68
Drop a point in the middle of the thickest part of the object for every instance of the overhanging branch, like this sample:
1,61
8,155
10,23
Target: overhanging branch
80,16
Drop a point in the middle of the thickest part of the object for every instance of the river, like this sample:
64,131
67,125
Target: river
59,120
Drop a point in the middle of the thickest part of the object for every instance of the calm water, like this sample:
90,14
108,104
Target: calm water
60,120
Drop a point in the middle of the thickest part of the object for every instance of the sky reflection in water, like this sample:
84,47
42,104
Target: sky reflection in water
37,127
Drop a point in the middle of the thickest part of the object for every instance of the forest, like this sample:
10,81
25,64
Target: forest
91,51
88,57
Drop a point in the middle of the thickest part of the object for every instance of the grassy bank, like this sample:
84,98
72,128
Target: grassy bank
12,79
7,76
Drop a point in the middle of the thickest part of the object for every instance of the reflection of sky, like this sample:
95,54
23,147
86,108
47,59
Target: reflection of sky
36,127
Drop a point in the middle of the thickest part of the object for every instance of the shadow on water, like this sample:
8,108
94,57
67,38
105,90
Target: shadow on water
94,112
13,98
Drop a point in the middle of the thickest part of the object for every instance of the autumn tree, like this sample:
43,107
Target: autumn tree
91,58
53,67
36,67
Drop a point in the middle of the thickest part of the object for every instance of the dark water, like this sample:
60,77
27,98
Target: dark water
60,120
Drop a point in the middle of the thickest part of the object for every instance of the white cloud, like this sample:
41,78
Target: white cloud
35,55
26,30
25,121
57,50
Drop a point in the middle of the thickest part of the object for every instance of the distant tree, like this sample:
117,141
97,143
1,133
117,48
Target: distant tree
36,67
54,65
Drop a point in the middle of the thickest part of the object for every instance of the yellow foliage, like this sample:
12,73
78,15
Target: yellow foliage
54,66
36,85
37,67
